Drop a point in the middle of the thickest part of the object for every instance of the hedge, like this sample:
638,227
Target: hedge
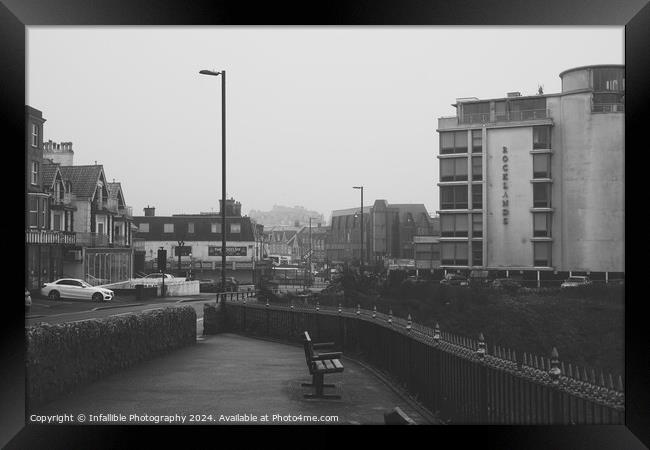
60,357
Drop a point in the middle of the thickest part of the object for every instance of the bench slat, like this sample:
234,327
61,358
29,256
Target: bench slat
328,364
337,364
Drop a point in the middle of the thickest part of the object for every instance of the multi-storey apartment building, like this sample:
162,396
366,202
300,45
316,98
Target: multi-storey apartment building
535,183
389,231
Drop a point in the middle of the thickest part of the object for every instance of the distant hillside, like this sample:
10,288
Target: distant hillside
285,215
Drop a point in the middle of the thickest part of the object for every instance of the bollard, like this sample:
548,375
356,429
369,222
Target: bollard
554,370
339,309
390,316
436,333
408,323
374,311
317,306
358,309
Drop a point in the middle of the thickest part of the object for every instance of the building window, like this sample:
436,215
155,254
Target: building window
168,228
35,167
143,228
42,223
542,166
477,141
215,227
453,142
477,253
541,225
453,197
56,226
500,111
453,169
184,250
453,225
33,212
541,195
477,168
235,228
541,137
477,196
190,227
477,225
454,253
34,135
542,254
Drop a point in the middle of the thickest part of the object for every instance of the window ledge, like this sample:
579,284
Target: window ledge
541,180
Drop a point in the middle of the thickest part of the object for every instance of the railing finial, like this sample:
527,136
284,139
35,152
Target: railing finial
436,333
554,371
480,352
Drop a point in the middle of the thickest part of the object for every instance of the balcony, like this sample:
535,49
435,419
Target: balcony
62,200
50,237
608,107
109,205
126,212
510,116
92,240
481,118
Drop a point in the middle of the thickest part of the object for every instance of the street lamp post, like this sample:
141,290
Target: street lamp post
223,174
361,264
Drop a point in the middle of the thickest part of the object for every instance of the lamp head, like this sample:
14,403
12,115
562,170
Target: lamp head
209,72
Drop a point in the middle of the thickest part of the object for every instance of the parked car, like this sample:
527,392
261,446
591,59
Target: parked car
75,289
28,300
506,283
577,281
452,279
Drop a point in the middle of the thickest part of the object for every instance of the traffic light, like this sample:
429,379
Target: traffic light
162,260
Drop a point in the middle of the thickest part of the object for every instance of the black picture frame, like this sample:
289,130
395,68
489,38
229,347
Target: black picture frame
15,15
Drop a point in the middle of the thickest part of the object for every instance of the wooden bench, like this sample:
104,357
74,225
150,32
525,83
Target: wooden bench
319,364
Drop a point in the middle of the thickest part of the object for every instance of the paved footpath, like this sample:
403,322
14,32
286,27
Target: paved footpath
229,375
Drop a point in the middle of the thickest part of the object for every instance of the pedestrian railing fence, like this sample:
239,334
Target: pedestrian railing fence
459,378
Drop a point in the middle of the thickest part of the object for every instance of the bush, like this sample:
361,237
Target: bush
61,357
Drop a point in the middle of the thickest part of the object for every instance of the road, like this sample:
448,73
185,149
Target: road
49,311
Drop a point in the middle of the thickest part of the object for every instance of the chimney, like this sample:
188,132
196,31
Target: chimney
233,208
149,211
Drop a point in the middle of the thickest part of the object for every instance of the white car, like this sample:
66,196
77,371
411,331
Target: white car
75,289
576,282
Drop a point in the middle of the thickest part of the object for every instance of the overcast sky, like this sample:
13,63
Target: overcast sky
311,111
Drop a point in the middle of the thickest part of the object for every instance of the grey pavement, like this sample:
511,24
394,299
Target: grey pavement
230,375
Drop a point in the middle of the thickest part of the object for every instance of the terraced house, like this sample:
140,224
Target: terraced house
77,225
48,210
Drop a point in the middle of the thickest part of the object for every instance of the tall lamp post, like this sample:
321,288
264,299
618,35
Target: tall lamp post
223,174
361,265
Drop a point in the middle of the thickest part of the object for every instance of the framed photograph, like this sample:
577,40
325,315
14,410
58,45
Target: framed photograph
483,283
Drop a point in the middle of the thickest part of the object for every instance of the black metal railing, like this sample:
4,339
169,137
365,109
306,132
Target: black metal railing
455,376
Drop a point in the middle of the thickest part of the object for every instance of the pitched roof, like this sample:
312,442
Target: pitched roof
350,211
414,208
114,189
82,178
48,172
